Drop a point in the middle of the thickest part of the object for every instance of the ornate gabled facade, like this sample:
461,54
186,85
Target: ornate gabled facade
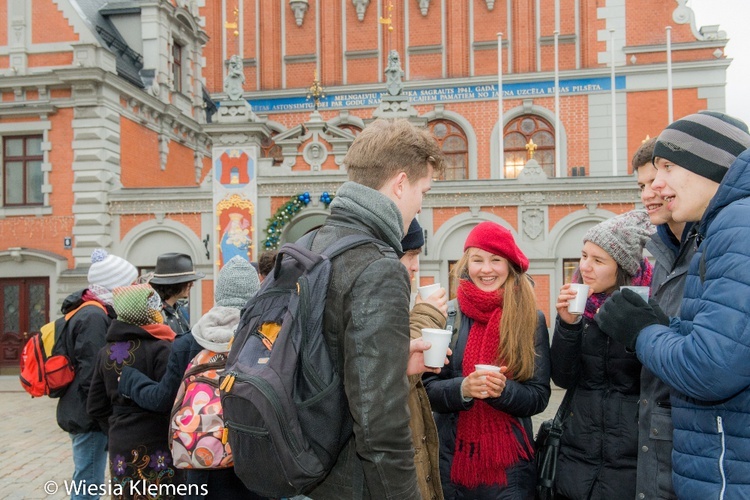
146,126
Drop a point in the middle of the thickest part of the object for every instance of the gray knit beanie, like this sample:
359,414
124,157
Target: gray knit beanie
623,238
706,143
236,283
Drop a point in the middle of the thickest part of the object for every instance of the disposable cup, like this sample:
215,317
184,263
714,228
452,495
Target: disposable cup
491,368
427,290
487,368
643,291
434,357
578,304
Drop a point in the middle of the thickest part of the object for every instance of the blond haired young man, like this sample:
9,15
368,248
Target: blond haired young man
366,320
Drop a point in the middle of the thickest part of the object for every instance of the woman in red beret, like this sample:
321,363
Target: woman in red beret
483,416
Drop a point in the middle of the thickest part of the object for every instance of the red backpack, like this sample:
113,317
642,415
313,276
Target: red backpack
46,369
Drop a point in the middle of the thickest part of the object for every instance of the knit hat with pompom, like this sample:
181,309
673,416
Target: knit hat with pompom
110,271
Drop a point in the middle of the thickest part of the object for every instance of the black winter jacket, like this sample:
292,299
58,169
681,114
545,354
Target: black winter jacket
87,332
519,399
159,395
366,324
600,435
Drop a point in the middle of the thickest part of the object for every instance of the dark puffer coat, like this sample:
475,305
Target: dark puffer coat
600,436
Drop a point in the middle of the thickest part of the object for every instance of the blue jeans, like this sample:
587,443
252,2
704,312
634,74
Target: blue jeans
90,461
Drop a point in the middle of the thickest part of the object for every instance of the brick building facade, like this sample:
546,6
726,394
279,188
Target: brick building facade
112,137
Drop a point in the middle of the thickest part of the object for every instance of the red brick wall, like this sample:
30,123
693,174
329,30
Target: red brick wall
270,45
541,291
207,294
441,215
648,115
49,24
642,18
43,60
191,220
61,158
140,162
3,29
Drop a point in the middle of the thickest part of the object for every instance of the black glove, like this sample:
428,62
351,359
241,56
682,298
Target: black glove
624,315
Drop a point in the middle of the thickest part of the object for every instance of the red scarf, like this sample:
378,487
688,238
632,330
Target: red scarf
160,331
485,443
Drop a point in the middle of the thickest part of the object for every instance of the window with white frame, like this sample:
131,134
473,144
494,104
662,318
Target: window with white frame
22,170
177,66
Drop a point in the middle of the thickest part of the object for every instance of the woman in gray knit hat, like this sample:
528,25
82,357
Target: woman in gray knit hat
599,446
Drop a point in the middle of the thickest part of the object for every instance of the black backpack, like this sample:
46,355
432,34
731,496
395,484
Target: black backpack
284,403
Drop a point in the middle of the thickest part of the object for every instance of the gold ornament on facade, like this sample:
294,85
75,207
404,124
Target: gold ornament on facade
316,91
531,147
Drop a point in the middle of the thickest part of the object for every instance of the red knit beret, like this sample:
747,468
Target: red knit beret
497,240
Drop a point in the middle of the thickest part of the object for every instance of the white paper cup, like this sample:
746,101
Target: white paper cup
434,357
491,368
487,368
427,290
643,291
578,304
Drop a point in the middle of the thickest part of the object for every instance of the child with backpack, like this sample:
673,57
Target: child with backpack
236,282
139,457
197,435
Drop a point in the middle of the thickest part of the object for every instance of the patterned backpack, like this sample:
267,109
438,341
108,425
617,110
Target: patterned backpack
197,436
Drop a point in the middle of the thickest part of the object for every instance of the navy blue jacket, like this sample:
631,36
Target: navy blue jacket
705,353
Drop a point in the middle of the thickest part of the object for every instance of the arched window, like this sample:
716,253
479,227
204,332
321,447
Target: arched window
349,127
452,141
518,135
269,149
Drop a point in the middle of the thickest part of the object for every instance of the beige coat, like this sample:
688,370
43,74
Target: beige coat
423,431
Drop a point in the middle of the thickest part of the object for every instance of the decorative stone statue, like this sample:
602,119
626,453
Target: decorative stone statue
235,78
394,74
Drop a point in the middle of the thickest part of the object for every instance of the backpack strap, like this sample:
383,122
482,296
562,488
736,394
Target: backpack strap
301,250
87,303
65,342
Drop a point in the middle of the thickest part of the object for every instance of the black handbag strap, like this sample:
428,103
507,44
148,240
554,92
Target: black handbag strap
564,410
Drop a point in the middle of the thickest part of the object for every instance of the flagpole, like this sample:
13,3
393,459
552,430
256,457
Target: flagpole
500,126
670,106
558,166
614,101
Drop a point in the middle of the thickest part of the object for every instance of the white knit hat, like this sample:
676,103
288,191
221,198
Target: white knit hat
110,271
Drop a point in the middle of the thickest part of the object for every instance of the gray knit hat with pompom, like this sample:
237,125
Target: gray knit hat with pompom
623,238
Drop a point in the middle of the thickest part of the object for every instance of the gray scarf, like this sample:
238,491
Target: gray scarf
374,208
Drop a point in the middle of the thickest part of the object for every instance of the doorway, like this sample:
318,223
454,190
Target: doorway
24,308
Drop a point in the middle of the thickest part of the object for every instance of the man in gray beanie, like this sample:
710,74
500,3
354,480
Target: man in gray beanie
703,173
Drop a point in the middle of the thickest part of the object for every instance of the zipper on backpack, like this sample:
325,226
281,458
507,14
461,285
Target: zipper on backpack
267,391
